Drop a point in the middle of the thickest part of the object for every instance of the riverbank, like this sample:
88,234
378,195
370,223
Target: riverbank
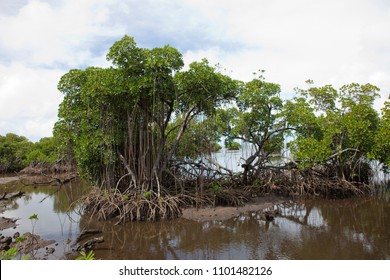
39,178
6,180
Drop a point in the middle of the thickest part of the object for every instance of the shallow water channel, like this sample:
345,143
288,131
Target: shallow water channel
306,229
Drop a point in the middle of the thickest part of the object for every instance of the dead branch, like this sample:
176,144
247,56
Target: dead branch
133,177
7,196
219,167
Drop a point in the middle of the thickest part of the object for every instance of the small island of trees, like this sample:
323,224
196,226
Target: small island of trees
143,132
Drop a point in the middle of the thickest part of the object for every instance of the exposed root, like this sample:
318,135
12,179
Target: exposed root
167,203
231,197
134,207
296,183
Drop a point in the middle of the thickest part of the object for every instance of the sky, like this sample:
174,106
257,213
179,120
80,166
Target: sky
333,42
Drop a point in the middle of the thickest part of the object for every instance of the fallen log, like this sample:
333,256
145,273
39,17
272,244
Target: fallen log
90,243
7,223
7,196
58,180
86,232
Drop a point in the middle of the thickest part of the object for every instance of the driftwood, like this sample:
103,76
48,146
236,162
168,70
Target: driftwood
218,166
86,232
7,196
57,179
7,223
90,243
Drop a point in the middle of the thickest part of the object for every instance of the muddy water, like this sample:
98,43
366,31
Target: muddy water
311,229
307,229
56,207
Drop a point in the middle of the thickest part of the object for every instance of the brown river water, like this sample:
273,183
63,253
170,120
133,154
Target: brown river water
306,229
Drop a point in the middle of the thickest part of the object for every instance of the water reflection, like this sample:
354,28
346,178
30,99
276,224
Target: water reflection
307,229
56,207
313,229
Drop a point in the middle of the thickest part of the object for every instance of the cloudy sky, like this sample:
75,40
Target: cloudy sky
329,41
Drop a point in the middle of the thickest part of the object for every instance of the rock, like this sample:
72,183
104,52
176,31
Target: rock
50,250
32,242
269,216
5,243
6,240
7,223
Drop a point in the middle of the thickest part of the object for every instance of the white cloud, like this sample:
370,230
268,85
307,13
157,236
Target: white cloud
28,100
42,34
332,41
40,42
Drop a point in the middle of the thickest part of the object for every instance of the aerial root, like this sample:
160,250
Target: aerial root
296,183
151,206
135,207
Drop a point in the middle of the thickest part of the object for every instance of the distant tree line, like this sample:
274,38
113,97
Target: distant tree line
17,152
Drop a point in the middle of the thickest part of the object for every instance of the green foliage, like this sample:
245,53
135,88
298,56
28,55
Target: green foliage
44,151
10,254
381,148
33,217
258,121
139,114
225,120
233,146
310,151
13,152
86,257
215,147
200,137
135,119
202,86
300,115
17,152
334,128
147,194
216,187
20,239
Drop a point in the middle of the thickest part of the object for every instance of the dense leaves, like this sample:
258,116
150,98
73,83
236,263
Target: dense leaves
17,152
132,120
13,152
133,125
381,148
335,129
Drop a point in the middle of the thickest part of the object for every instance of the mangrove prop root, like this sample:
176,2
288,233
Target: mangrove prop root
134,205
296,183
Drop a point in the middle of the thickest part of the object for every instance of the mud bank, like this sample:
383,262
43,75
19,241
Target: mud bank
6,180
7,223
223,213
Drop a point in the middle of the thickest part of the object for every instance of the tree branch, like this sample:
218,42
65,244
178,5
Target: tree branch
133,177
186,121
